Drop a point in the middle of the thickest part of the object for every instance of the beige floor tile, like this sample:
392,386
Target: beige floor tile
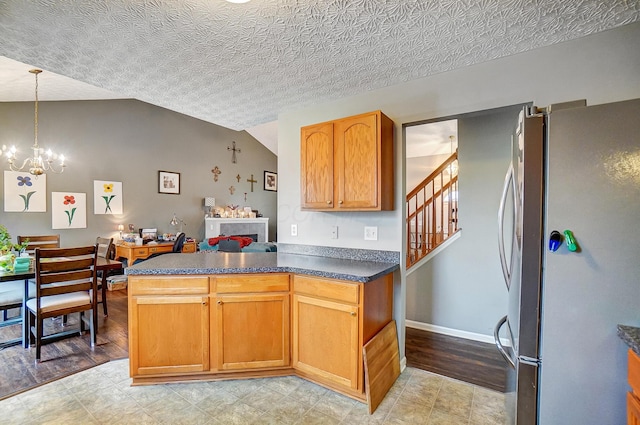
104,395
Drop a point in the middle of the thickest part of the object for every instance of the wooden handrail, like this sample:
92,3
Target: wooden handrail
434,174
431,223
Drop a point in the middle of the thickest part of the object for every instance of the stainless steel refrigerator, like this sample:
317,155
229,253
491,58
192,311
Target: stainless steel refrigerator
574,168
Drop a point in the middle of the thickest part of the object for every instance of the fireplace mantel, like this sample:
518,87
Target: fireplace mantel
215,227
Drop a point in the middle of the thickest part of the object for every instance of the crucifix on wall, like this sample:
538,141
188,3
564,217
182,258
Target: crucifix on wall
252,181
234,159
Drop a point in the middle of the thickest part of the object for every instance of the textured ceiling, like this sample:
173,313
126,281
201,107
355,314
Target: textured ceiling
239,65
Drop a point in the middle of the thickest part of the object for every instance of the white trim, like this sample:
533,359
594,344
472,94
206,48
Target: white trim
403,364
435,252
454,332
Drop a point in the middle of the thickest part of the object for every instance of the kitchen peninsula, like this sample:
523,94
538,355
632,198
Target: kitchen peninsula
210,316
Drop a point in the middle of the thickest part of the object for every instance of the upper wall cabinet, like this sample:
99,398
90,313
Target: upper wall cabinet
348,165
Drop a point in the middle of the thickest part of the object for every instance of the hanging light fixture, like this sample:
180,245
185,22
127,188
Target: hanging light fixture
37,164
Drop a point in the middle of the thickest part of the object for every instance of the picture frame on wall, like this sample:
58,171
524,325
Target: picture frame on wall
271,181
169,182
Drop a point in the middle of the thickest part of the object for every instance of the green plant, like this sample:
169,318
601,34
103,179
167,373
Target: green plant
5,242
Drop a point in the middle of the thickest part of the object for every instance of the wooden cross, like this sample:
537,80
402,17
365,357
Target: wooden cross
234,150
216,172
232,189
252,181
238,177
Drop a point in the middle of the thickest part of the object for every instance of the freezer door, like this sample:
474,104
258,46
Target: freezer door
524,292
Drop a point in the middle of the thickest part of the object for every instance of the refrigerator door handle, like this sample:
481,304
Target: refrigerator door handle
501,349
509,181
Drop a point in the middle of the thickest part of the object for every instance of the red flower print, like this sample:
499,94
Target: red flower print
69,199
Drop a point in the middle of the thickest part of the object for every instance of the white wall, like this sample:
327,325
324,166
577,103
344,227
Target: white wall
601,68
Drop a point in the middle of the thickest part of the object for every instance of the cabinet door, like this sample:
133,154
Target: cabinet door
168,334
325,340
316,166
252,331
357,168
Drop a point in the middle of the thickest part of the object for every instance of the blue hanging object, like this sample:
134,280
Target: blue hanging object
555,240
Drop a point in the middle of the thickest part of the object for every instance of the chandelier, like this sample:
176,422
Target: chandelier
41,161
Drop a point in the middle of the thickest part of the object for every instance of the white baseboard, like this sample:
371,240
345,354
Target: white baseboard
453,332
403,364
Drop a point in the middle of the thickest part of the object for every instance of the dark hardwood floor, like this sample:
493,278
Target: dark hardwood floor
470,361
19,372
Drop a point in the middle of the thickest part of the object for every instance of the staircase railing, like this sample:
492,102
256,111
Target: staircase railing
432,210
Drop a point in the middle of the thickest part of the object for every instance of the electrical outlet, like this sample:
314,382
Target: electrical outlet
371,233
294,230
334,232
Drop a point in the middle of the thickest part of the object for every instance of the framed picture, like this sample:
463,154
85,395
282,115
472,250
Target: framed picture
270,181
168,182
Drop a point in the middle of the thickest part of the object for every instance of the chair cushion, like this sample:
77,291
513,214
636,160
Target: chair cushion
11,292
62,301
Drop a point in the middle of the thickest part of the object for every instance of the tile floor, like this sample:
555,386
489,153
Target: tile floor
103,395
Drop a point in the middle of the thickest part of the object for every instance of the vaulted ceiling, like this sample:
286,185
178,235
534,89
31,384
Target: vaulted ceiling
239,65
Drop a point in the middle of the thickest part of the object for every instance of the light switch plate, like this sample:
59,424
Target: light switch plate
371,233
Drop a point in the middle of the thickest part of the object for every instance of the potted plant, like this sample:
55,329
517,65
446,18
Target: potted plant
8,249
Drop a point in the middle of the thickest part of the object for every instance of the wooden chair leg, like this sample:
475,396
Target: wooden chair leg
104,295
39,326
92,328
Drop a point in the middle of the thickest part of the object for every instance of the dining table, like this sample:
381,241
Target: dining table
103,264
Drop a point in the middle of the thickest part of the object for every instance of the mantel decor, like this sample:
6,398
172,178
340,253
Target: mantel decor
270,181
168,182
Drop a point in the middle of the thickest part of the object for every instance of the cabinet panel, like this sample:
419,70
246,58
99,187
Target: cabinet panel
168,334
260,282
168,285
325,340
356,161
252,331
633,410
326,288
316,164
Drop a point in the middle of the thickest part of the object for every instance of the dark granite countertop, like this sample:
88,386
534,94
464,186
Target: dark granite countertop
630,335
262,262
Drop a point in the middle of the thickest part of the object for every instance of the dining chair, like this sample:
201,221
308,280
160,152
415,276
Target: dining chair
65,284
39,241
10,298
106,249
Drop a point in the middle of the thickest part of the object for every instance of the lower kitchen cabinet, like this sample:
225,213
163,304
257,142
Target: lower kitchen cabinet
254,325
325,340
633,396
252,331
332,320
168,325
250,326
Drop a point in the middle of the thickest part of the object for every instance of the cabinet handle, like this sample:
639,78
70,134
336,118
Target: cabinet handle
353,313
219,302
340,202
329,202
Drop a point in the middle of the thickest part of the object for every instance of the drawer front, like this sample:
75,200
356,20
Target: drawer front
189,247
140,252
160,248
168,285
264,282
634,372
326,288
